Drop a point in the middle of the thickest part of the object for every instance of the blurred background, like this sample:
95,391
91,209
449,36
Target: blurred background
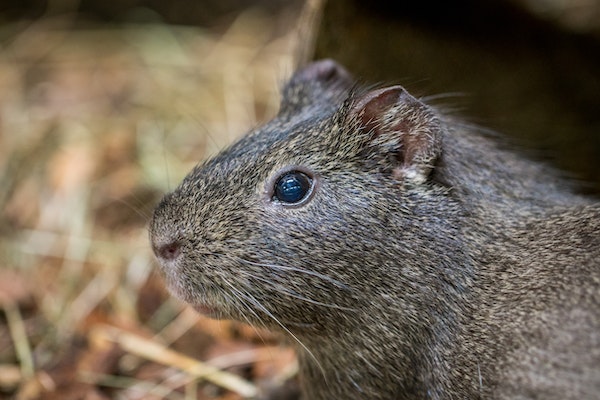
104,106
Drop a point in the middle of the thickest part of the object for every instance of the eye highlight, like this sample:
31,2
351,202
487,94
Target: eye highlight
292,187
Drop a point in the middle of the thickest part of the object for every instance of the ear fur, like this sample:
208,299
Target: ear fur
403,133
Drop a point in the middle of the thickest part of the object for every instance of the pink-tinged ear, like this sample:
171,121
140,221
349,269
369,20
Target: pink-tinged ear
403,131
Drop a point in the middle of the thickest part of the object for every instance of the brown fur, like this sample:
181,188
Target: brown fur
429,262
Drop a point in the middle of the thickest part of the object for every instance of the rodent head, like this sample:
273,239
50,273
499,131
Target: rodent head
293,226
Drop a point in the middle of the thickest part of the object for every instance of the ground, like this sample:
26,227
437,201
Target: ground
96,123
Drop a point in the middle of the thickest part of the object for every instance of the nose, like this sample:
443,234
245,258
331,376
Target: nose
168,251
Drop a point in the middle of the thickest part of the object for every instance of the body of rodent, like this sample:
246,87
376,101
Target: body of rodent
407,254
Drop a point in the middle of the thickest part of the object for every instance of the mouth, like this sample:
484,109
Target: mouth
201,299
200,305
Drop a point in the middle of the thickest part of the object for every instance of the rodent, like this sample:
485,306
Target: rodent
407,254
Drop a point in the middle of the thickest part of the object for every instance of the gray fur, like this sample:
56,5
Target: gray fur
430,263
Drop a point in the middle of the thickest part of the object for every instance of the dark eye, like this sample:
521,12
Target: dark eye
292,187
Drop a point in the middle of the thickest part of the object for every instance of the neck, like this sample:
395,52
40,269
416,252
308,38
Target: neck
387,362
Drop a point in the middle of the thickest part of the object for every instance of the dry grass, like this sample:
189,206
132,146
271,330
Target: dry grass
95,124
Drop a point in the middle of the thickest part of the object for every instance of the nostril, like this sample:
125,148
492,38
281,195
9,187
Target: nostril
169,251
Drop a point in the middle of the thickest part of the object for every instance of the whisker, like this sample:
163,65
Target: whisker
166,162
286,291
448,95
258,304
300,270
241,311
144,214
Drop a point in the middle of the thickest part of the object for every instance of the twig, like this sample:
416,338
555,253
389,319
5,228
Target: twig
156,352
19,337
132,384
306,31
95,291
